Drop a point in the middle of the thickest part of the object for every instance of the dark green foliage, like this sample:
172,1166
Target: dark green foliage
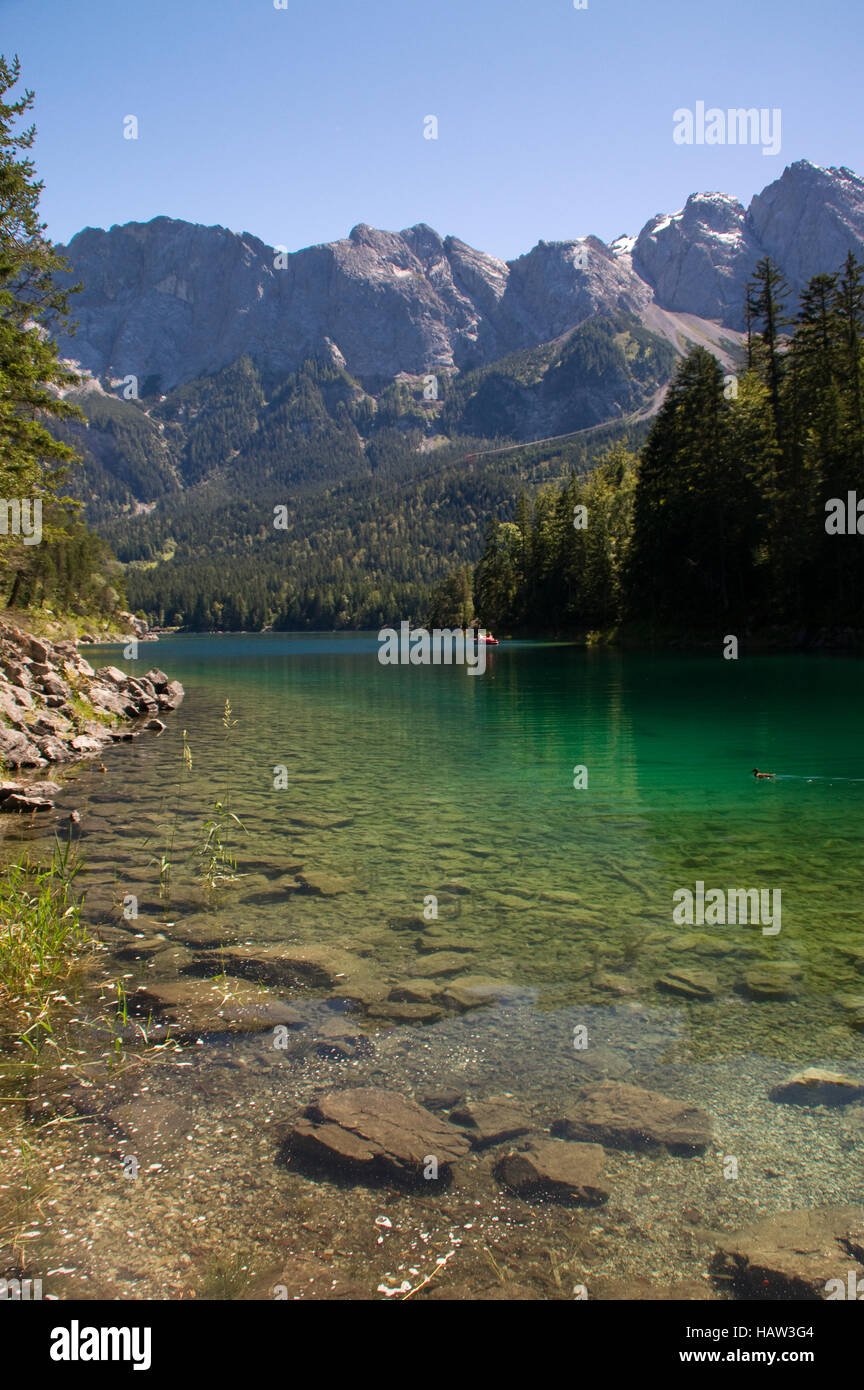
64,566
722,525
609,364
379,504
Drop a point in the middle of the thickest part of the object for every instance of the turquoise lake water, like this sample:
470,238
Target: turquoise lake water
403,784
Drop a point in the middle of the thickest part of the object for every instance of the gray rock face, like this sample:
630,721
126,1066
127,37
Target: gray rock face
698,260
39,725
809,220
169,301
175,301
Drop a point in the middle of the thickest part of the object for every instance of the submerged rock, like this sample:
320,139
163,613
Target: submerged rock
320,967
371,1133
440,939
394,1012
853,1007
637,1288
628,1117
407,923
442,1100
337,1038
417,991
491,1121
553,1168
794,1255
815,1086
443,963
775,981
151,1127
308,1280
690,984
473,991
193,1007
323,885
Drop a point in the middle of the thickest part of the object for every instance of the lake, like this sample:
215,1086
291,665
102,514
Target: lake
423,825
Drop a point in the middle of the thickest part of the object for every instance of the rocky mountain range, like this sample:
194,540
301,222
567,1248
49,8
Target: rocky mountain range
170,302
225,378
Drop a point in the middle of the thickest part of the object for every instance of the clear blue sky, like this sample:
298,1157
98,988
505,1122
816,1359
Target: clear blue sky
296,124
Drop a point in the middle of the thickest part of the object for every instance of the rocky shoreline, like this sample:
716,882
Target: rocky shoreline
55,708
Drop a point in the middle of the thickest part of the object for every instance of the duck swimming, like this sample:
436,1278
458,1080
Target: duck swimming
758,775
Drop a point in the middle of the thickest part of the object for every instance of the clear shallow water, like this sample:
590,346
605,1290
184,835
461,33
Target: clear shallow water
405,782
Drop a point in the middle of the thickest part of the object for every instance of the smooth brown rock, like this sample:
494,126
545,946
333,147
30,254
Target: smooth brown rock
815,1086
323,885
628,1117
151,1127
405,1013
193,1007
336,1037
554,1168
374,1133
689,984
491,1121
772,981
415,992
320,967
793,1255
440,963
475,991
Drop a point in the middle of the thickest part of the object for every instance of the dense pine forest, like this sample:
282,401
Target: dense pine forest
725,517
240,502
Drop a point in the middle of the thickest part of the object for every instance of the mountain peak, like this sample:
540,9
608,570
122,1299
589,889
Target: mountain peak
178,300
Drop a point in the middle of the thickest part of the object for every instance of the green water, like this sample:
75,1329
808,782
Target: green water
444,776
407,782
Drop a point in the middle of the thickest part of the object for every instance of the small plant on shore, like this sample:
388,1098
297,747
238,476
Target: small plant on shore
83,711
41,936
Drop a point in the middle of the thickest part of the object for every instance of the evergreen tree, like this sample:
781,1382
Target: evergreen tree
766,308
33,463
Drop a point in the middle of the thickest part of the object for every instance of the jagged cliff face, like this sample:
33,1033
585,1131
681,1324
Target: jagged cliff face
809,220
170,302
698,260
